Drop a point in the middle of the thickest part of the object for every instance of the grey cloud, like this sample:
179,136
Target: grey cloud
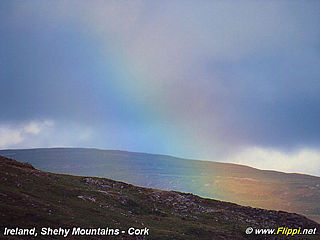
234,74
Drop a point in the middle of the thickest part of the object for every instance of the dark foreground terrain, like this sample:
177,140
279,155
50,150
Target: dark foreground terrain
33,198
240,184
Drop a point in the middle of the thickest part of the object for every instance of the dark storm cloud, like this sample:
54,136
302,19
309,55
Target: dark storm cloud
226,74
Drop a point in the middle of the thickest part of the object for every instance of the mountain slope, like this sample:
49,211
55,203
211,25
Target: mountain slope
228,182
30,197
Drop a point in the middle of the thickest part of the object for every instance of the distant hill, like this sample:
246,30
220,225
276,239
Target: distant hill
33,198
228,182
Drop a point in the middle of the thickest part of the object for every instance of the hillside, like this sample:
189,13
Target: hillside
30,197
228,182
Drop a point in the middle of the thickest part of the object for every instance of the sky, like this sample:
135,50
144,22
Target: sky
224,81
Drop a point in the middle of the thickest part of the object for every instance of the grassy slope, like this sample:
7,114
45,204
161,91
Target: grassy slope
29,197
228,182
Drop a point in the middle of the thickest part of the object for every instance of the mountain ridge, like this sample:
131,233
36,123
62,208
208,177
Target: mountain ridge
156,154
34,198
224,181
